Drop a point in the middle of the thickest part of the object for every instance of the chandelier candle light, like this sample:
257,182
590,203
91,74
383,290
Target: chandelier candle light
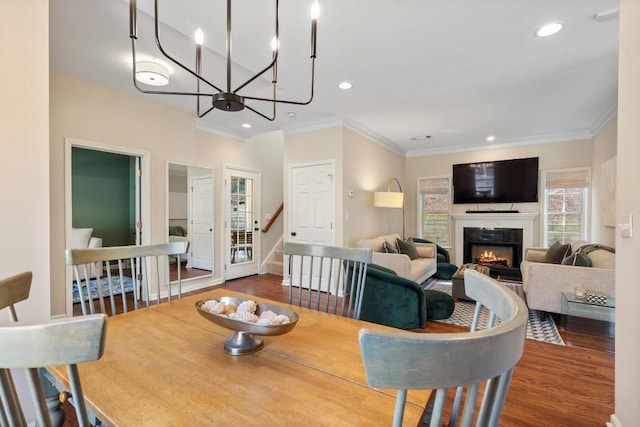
390,199
227,99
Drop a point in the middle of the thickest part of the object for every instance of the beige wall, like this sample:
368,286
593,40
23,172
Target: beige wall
362,166
551,156
628,202
88,112
312,147
24,138
604,148
368,167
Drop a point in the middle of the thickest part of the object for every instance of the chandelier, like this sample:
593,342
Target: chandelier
229,98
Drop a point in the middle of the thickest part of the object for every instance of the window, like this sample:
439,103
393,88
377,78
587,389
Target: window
434,199
565,202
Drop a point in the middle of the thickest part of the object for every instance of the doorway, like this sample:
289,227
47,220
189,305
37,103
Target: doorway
106,191
190,218
242,189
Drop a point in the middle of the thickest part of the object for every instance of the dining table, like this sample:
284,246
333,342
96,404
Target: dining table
165,365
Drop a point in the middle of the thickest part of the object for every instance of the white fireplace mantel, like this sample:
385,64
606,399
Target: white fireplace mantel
492,220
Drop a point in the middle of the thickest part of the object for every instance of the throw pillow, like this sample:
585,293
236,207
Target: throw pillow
407,247
577,259
389,248
557,252
425,251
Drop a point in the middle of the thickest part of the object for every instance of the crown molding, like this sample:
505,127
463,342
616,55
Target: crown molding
204,128
313,125
371,134
514,142
604,118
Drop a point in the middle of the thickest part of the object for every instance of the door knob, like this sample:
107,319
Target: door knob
294,234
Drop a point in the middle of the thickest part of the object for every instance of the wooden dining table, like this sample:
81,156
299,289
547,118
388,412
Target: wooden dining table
166,366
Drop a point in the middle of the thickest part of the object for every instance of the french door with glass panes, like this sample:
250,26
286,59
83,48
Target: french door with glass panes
242,228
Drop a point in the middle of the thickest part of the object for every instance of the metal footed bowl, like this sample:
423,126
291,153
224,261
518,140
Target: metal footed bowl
248,336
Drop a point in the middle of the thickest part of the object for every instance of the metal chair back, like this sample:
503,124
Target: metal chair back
327,278
451,363
117,265
69,341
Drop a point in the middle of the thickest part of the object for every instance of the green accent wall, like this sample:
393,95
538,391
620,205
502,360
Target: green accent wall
103,195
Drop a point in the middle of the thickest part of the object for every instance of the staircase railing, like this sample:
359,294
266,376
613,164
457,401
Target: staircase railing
273,218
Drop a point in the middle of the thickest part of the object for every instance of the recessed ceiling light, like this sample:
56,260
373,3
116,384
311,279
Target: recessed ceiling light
152,73
549,29
291,115
421,137
491,138
246,125
345,85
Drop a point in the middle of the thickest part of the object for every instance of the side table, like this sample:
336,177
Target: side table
575,306
457,280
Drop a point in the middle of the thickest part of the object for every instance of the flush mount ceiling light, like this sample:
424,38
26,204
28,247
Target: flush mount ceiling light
228,99
549,29
152,73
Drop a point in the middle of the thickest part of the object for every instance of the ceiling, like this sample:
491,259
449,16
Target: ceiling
456,71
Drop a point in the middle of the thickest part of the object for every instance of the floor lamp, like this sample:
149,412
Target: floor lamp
390,199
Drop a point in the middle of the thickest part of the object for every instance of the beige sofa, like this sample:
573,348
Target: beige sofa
544,283
418,270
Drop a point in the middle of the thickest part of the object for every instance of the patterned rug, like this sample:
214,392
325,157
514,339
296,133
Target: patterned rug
537,329
117,288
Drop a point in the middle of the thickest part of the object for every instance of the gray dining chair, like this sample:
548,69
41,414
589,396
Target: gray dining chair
114,267
453,365
327,278
68,341
12,290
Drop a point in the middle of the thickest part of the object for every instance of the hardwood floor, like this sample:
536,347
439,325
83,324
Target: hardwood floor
551,386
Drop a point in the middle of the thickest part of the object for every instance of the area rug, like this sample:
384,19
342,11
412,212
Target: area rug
537,329
117,288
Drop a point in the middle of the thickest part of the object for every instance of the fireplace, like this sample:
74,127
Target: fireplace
500,249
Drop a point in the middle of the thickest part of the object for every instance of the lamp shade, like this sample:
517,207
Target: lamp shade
388,199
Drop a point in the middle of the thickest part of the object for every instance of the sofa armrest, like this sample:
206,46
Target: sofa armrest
400,263
535,254
95,242
431,246
543,283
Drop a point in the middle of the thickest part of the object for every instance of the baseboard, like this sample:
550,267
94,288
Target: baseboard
615,422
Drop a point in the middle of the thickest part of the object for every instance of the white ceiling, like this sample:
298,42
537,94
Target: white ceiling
456,70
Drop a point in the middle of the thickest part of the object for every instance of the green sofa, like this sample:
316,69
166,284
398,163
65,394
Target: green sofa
445,269
392,300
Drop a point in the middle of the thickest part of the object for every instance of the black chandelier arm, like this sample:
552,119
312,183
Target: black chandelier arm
171,58
260,114
283,101
274,60
201,115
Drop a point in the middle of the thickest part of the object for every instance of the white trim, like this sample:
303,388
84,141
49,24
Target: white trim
376,137
615,422
145,214
201,126
492,220
420,204
604,118
312,125
544,208
515,142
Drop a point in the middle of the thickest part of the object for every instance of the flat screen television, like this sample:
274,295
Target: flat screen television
501,181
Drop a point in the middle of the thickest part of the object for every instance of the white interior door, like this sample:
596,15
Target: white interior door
201,222
312,204
242,222
311,215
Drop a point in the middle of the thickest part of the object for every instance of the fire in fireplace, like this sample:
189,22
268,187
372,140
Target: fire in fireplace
500,249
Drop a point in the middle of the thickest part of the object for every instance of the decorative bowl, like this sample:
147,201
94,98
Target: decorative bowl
247,338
